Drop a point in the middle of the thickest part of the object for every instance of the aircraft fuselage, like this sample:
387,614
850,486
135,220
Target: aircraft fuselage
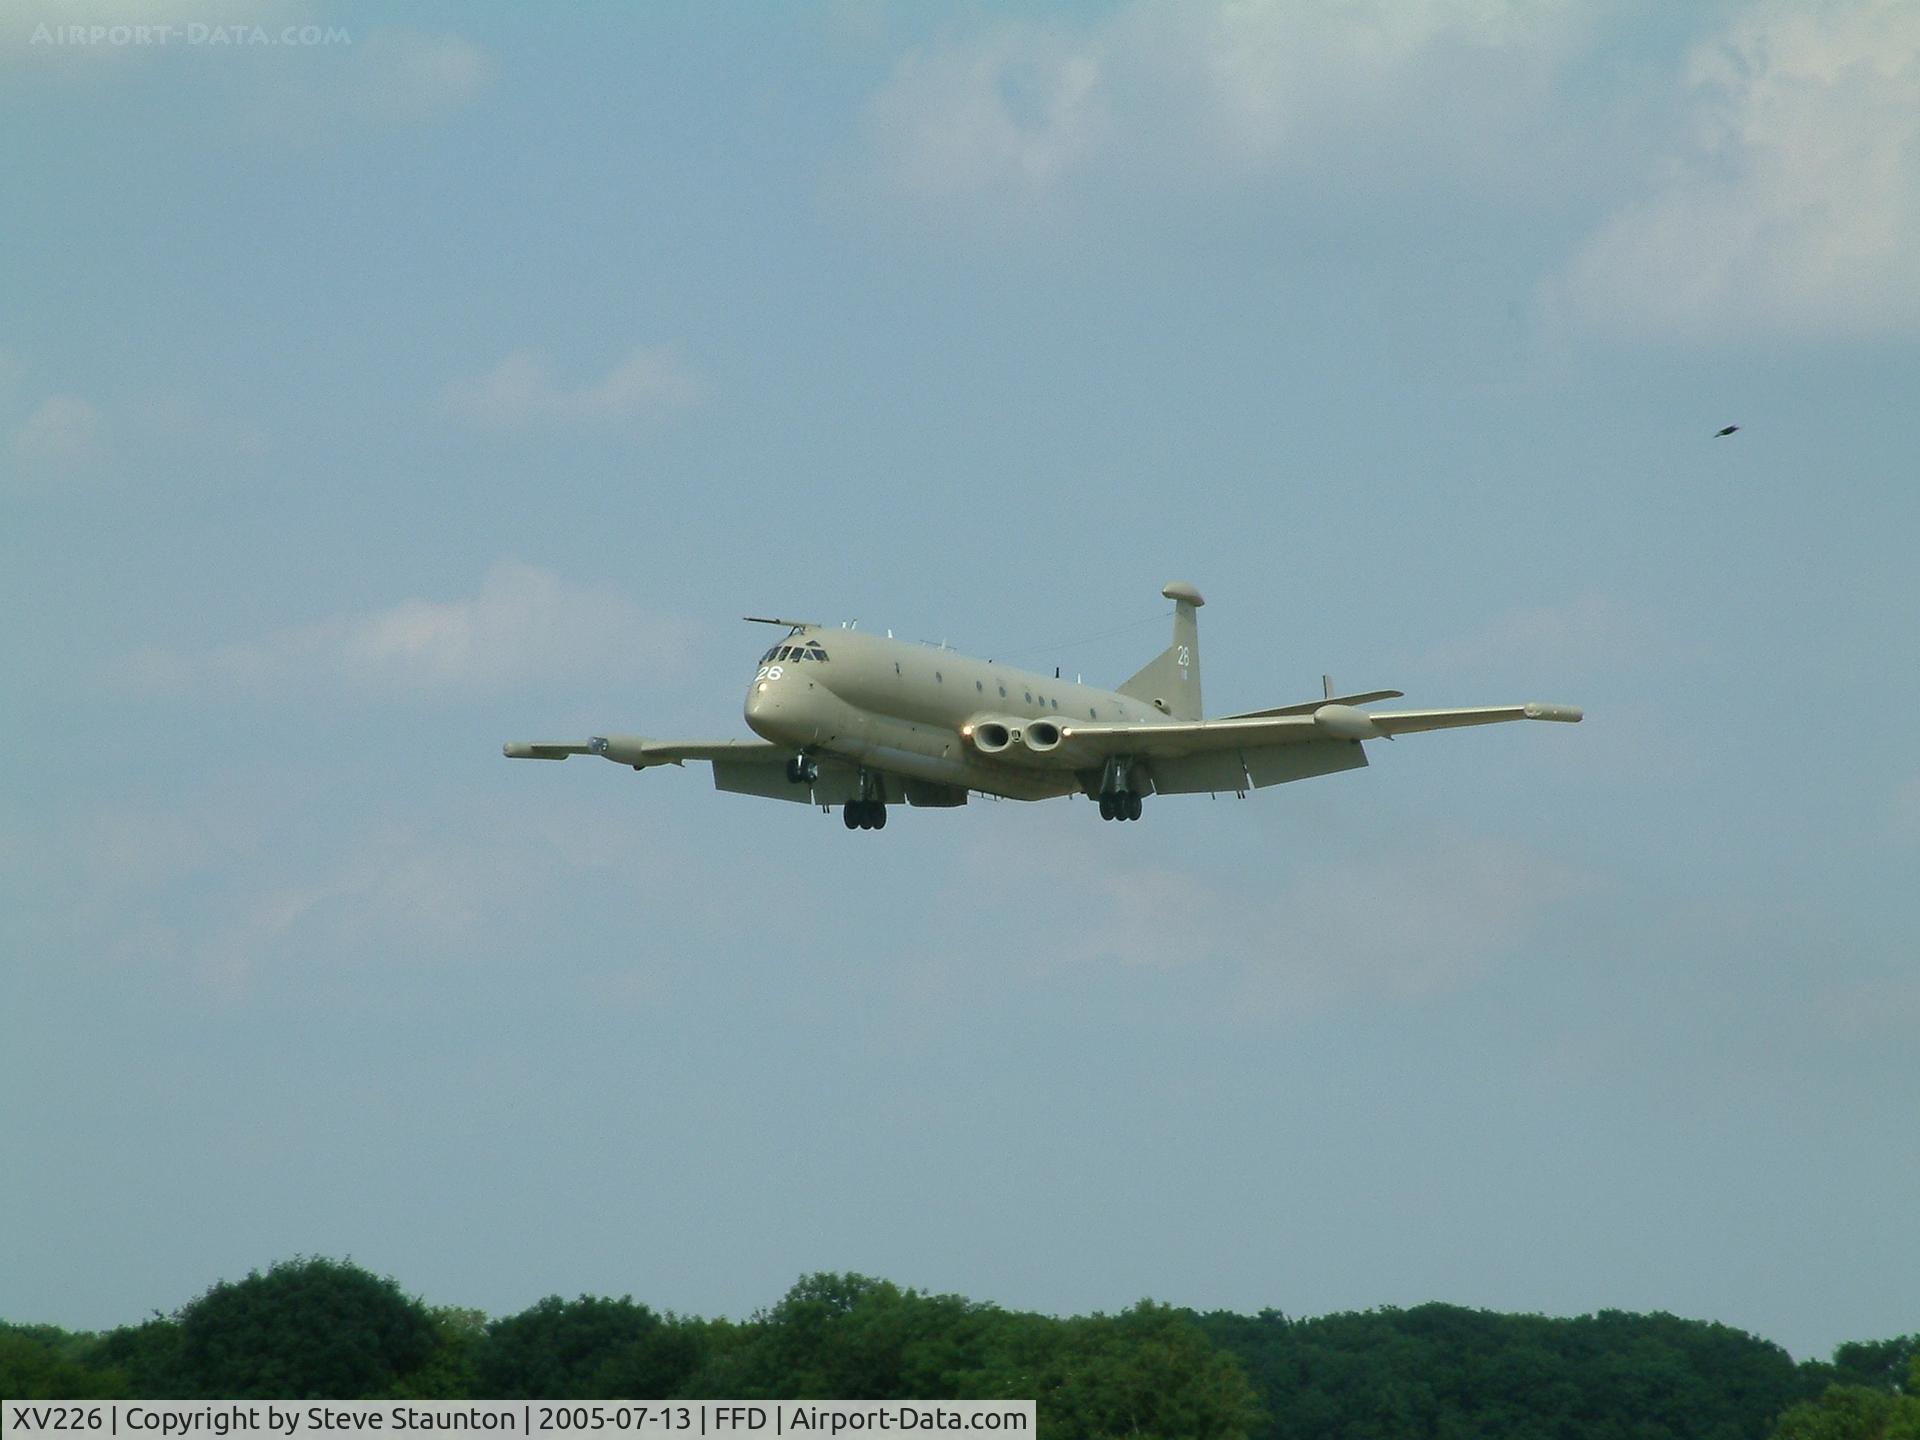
914,709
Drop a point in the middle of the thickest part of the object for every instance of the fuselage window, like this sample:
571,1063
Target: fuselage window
1029,695
938,678
978,686
1003,692
1092,714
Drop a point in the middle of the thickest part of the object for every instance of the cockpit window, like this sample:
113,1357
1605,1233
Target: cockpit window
780,654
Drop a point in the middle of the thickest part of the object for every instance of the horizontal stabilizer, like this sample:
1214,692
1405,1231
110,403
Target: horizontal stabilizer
1307,707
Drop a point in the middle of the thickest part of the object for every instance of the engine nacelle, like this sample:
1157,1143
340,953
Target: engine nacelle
621,749
1042,737
1018,741
1344,722
991,736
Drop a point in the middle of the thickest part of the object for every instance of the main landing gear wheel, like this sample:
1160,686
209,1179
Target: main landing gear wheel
1120,805
864,814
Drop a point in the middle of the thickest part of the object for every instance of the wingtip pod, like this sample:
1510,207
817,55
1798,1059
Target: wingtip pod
1568,713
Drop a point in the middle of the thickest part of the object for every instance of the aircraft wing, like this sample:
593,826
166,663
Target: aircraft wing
1408,722
640,752
751,767
744,767
1330,720
1242,752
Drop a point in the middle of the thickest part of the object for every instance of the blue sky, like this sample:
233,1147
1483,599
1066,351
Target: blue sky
375,393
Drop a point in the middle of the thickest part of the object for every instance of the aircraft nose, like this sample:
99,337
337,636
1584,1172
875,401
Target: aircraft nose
761,705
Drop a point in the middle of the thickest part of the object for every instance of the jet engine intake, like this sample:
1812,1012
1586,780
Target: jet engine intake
989,737
1041,736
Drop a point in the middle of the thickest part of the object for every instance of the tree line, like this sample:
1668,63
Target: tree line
317,1328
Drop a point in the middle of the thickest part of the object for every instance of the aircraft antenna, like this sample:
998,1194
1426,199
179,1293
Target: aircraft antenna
1326,686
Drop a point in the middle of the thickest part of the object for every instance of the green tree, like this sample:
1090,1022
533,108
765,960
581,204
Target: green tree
855,1338
659,1365
43,1362
1888,1409
307,1329
1876,1364
148,1355
1149,1371
448,1372
1446,1372
556,1349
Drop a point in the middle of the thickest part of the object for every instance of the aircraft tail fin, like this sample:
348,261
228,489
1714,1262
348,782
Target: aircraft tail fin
1171,680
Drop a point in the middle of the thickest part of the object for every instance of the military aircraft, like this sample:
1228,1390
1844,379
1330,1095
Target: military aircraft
865,721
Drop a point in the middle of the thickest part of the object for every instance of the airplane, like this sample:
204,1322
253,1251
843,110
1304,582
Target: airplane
849,718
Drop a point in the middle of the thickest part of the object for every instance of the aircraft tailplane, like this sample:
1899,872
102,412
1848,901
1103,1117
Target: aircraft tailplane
1171,680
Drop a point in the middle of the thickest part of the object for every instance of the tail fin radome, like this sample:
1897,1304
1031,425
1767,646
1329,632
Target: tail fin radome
1171,680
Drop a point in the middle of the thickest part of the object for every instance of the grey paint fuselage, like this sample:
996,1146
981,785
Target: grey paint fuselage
904,707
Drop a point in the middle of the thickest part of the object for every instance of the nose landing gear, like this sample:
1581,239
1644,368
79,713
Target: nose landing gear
802,769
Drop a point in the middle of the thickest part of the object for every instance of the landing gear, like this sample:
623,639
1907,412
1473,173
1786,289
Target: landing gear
1118,799
802,769
864,814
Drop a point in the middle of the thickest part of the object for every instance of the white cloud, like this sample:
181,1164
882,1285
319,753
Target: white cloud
1223,89
524,624
396,893
1012,111
1794,206
69,434
407,77
64,432
1403,925
521,391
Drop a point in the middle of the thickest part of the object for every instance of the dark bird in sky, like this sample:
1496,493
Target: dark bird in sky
1722,434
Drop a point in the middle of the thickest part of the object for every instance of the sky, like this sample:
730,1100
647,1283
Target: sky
377,386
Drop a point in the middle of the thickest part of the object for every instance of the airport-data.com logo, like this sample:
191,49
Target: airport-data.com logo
232,37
